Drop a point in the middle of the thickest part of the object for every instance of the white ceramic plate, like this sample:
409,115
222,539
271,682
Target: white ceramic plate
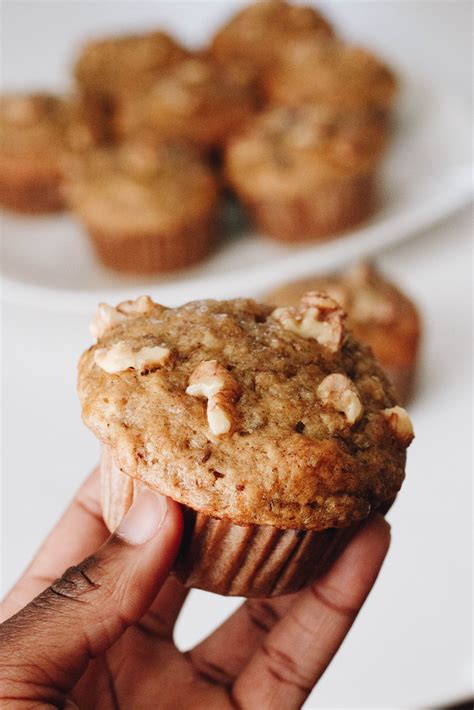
48,261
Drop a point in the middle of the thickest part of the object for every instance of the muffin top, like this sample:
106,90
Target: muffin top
332,72
141,187
238,410
289,150
257,33
379,314
196,99
116,65
40,128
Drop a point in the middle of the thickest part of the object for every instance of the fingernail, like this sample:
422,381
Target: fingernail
146,515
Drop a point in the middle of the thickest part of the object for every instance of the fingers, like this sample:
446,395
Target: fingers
48,644
295,653
79,532
224,653
161,617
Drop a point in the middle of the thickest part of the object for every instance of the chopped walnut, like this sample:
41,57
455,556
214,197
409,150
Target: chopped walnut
107,317
400,423
319,317
120,357
213,382
339,392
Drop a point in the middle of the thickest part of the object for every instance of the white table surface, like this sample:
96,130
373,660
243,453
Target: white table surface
411,645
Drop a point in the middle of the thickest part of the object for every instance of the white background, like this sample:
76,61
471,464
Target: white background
411,645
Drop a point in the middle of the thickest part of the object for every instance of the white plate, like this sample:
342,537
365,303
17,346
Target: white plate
48,261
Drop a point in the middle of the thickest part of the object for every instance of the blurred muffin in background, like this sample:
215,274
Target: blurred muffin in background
379,314
312,71
256,34
109,70
196,101
36,132
307,173
146,208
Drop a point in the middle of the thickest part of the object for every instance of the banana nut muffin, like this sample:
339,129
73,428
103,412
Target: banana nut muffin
330,73
37,131
256,34
111,69
196,100
379,314
275,426
146,208
309,172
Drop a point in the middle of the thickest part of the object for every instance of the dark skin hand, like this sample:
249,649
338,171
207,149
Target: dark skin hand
101,636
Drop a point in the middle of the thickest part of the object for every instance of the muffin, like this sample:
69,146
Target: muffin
196,101
275,429
108,71
379,314
256,34
307,173
146,208
36,132
330,73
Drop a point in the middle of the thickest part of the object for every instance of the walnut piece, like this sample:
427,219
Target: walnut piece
107,317
400,423
339,392
213,382
319,317
120,357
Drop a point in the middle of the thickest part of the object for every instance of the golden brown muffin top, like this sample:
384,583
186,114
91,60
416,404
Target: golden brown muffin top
192,91
240,411
379,314
291,150
329,71
116,65
34,127
257,33
140,186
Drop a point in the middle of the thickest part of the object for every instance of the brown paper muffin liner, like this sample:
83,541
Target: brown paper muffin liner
154,252
234,560
33,197
330,210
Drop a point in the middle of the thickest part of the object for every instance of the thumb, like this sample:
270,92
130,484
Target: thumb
48,644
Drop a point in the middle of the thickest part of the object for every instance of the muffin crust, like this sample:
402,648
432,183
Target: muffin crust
256,34
330,73
196,100
290,460
140,59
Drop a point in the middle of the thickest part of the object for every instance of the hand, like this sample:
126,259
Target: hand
101,636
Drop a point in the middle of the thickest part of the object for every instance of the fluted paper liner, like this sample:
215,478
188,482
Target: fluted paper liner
154,252
331,209
236,560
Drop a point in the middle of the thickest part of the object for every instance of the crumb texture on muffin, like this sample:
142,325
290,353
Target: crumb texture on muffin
293,457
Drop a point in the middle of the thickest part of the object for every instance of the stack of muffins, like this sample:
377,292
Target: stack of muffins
277,109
